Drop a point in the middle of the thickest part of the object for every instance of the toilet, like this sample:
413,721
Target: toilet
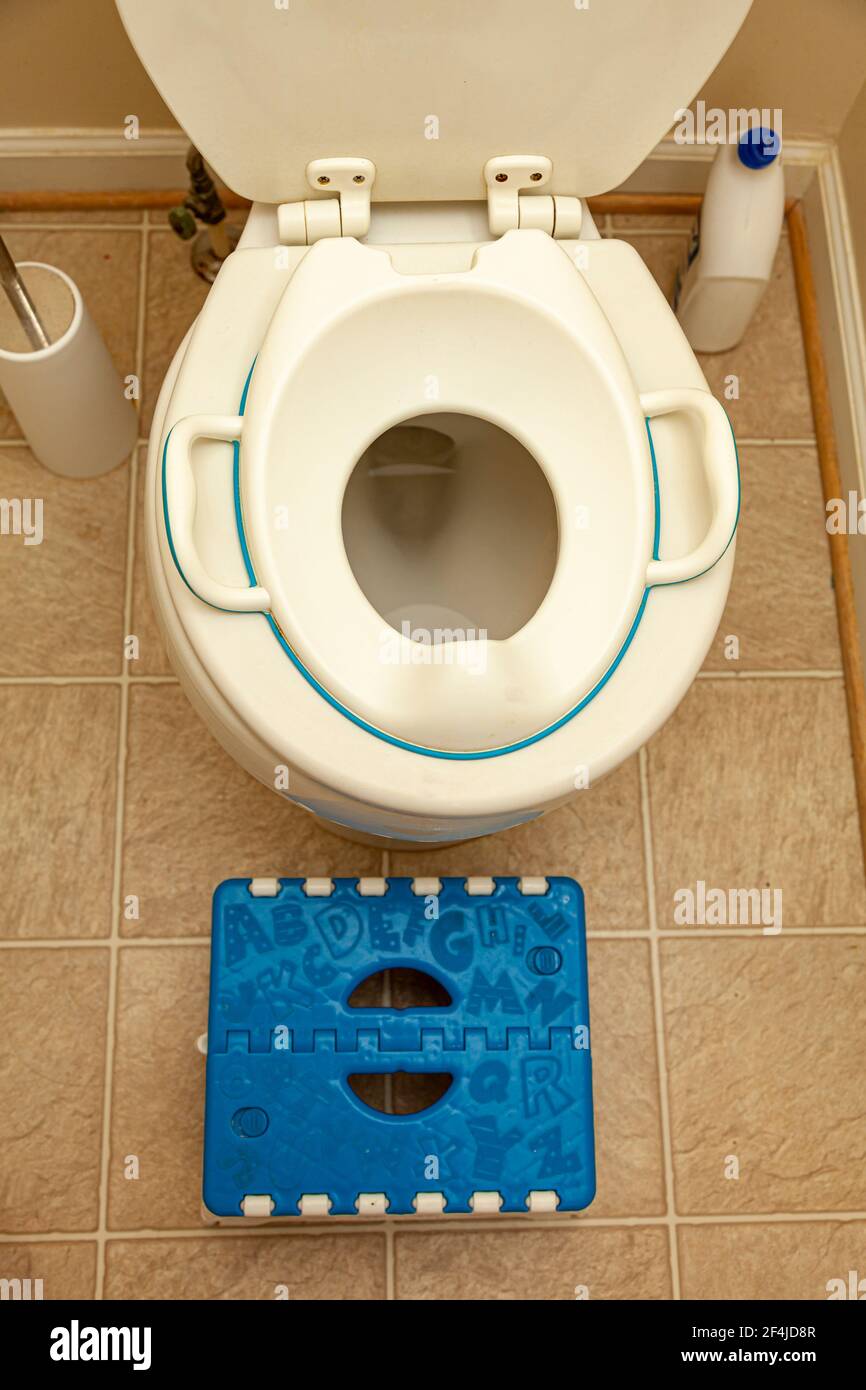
439,510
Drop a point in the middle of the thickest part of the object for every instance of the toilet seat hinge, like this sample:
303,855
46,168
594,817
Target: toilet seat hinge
513,200
347,214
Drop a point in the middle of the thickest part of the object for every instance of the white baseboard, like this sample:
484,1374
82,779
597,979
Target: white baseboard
843,339
677,168
86,161
840,305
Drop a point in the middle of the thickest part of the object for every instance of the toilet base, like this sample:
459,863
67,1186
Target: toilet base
361,837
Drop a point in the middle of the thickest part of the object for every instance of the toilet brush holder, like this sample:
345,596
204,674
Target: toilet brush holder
67,396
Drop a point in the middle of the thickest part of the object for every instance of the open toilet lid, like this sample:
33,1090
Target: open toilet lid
429,90
351,351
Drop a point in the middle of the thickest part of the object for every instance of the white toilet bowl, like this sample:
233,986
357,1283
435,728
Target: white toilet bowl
439,532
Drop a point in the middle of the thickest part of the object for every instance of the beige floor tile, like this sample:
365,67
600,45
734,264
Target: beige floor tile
157,1109
61,601
596,838
628,1142
58,772
53,1005
781,605
765,1065
751,786
194,817
796,1260
153,657
175,295
663,253
105,267
533,1265
770,365
67,1268
307,1267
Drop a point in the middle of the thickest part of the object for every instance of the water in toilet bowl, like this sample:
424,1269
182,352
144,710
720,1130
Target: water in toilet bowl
449,524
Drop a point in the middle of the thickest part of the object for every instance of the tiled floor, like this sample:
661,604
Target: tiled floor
728,1062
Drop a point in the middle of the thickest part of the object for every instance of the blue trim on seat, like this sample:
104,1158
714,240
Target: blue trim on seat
236,485
447,755
168,534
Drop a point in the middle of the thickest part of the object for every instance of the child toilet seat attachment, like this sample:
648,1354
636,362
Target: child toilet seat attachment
574,406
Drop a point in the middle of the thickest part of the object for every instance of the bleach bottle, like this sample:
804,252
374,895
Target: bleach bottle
731,257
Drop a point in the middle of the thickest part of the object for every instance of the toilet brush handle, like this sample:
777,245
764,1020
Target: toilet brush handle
179,505
719,457
18,296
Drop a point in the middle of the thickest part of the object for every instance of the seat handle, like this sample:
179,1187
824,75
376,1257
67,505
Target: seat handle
179,505
719,457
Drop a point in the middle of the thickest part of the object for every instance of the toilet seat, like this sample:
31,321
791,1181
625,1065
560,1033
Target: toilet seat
582,419
275,723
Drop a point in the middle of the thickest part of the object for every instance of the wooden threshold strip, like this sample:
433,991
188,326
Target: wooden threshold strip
843,583
643,204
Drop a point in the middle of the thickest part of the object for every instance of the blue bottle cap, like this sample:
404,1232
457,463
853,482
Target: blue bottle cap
759,147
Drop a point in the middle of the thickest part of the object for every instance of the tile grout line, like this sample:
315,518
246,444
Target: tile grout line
658,1014
658,231
453,1223
813,675
119,812
799,441
805,441
390,1264
113,939
89,680
816,674
764,441
88,943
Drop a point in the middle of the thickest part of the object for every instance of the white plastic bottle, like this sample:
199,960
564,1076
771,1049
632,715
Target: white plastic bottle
731,258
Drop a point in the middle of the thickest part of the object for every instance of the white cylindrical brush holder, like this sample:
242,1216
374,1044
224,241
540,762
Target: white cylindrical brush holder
68,397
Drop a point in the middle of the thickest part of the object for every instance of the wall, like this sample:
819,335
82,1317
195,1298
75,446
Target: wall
852,156
804,56
69,64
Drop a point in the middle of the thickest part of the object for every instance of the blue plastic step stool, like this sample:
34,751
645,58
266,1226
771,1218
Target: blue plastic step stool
285,1134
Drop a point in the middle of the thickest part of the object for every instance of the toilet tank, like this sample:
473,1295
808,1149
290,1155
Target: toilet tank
429,90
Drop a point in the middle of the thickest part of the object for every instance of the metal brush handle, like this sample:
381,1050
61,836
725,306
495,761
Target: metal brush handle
20,300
